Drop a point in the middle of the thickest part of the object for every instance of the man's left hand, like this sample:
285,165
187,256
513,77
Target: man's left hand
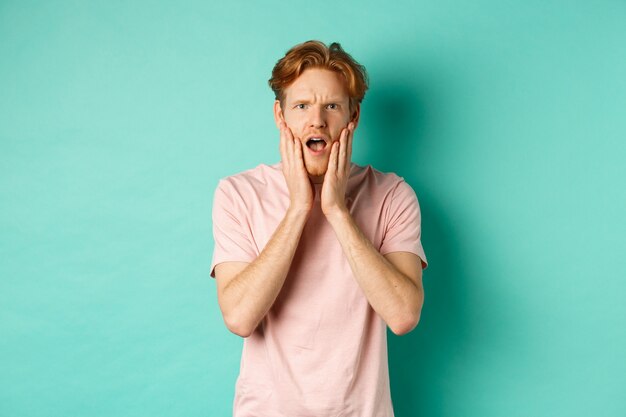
336,178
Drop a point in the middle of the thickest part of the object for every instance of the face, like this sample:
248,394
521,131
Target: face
316,108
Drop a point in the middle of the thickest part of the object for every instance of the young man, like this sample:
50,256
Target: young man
315,256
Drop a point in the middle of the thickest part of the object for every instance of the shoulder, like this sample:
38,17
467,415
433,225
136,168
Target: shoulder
252,180
369,179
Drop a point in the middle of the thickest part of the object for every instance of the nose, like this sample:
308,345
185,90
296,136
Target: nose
317,118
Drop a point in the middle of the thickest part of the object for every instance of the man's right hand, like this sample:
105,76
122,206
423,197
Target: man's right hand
247,291
298,182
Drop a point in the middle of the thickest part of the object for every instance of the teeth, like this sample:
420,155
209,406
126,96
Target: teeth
316,144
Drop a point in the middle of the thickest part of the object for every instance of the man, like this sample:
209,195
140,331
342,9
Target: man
315,256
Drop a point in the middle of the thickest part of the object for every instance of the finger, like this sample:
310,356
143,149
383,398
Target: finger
299,159
288,132
283,144
289,148
349,146
293,146
342,151
332,160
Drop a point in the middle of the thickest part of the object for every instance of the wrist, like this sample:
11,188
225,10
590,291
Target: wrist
298,211
337,215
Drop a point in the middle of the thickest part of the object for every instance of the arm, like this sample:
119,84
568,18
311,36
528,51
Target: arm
393,283
246,291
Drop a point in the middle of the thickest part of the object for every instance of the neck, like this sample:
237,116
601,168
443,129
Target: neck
316,179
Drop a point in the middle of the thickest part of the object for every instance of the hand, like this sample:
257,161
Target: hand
336,178
298,182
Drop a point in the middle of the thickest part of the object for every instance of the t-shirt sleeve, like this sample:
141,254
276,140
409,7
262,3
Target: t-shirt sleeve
403,231
231,232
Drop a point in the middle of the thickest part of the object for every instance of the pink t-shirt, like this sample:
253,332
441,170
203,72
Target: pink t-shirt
321,350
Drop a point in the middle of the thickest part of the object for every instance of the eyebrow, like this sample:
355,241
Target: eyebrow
307,101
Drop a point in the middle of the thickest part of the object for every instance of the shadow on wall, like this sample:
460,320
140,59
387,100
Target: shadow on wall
401,123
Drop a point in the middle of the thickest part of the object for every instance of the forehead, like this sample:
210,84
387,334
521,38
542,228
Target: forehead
318,83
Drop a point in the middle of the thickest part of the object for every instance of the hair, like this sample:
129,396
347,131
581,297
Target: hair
315,54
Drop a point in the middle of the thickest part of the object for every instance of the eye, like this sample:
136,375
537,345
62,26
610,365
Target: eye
300,106
332,106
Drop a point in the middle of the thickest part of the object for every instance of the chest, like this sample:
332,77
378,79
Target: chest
266,213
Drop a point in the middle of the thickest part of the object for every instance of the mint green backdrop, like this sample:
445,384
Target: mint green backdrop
118,118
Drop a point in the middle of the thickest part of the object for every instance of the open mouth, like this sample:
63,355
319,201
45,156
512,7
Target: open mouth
316,144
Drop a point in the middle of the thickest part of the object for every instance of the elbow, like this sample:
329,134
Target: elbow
408,317
235,319
239,330
405,325
237,326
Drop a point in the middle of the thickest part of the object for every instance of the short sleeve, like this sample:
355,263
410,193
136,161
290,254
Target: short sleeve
231,232
403,231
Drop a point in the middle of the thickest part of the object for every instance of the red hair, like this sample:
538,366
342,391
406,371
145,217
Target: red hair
315,54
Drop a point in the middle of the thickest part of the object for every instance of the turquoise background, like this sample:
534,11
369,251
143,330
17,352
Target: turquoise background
118,119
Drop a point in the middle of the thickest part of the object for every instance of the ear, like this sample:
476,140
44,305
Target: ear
278,114
356,113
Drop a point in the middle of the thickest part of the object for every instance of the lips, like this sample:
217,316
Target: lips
316,144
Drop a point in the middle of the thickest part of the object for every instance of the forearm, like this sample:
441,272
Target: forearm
392,294
247,298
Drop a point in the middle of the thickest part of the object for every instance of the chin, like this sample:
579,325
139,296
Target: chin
317,170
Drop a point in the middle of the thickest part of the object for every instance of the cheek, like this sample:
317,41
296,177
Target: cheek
340,124
337,132
294,125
